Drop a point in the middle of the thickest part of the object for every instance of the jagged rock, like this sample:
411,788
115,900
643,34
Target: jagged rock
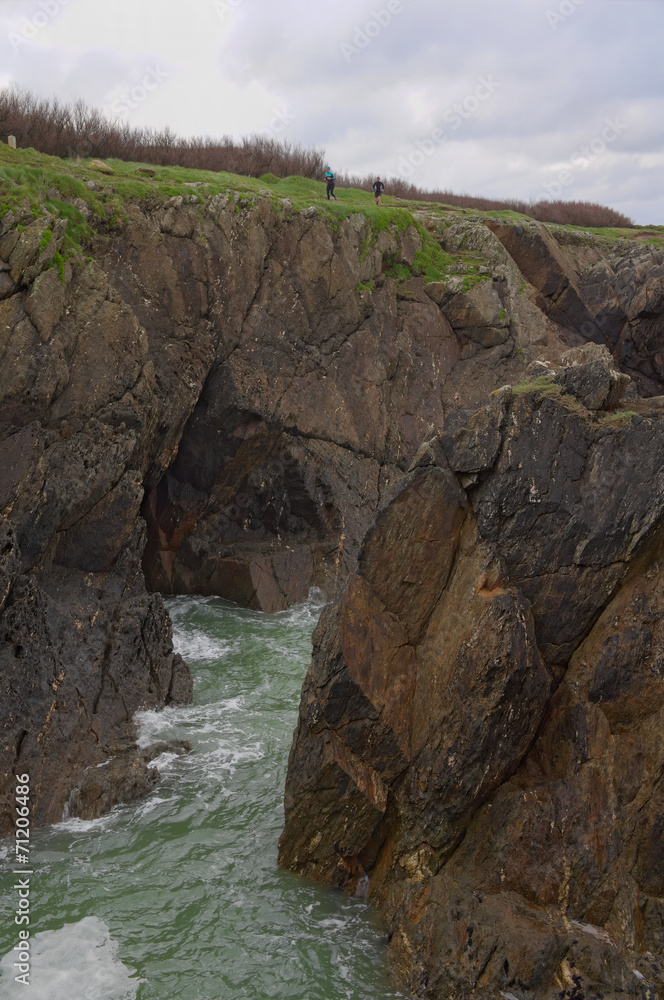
7,286
82,645
560,875
477,314
597,385
441,291
9,561
542,262
410,243
567,475
322,401
510,835
124,778
472,438
45,302
34,249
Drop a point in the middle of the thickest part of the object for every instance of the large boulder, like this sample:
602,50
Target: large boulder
476,313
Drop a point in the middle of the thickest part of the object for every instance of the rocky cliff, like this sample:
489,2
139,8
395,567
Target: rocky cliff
223,393
479,743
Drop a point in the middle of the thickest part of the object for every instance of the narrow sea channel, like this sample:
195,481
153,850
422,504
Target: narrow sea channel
178,896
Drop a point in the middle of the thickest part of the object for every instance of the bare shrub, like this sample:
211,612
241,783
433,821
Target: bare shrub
77,130
574,213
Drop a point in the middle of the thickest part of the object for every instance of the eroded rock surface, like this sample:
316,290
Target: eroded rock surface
223,397
83,645
479,739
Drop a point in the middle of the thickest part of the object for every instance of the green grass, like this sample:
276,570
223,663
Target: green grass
619,418
507,213
543,384
58,261
32,180
614,234
45,240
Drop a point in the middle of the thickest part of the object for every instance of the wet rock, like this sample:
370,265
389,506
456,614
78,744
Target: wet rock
124,778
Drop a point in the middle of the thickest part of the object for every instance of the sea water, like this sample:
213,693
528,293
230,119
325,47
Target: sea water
179,895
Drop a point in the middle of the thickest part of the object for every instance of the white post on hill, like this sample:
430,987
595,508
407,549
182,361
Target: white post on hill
12,141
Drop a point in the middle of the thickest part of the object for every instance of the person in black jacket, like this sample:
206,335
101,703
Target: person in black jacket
378,187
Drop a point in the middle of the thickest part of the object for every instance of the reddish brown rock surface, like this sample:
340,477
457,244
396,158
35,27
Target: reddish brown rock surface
479,742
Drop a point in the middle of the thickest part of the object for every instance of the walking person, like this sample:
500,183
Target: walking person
330,178
378,187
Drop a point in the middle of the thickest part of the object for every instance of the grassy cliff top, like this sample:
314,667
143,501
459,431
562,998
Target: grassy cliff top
39,182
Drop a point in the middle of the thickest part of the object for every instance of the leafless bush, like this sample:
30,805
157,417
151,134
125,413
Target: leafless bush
77,130
574,213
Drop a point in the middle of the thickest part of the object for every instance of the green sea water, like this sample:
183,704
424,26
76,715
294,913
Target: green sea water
179,895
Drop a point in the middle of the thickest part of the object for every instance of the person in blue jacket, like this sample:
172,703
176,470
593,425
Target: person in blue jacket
329,177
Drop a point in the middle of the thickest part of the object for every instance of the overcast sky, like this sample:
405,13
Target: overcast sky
507,98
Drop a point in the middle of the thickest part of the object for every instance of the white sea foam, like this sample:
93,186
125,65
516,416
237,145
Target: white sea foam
199,647
168,722
72,824
154,725
164,761
79,960
140,810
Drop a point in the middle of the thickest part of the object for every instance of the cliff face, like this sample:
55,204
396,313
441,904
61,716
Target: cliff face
310,393
479,742
217,400
83,645
225,398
